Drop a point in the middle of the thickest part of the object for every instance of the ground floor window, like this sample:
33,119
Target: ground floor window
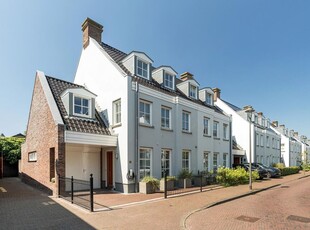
185,159
165,162
206,161
215,160
145,162
225,159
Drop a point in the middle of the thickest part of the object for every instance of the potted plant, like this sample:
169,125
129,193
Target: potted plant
170,183
148,185
185,178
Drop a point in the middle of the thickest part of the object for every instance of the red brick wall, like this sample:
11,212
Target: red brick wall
42,134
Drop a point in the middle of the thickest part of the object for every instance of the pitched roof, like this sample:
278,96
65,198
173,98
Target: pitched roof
118,56
93,126
234,107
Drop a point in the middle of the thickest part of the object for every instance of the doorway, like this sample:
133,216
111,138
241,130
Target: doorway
110,169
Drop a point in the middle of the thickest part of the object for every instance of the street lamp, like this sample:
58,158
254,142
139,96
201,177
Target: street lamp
249,110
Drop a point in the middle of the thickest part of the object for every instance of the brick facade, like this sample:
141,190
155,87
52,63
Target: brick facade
46,138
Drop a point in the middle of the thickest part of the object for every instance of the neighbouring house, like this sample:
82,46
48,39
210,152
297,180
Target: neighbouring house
65,136
164,123
251,133
291,148
305,148
19,135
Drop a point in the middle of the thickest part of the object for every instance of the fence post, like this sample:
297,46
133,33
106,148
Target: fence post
200,181
72,189
165,180
91,180
58,185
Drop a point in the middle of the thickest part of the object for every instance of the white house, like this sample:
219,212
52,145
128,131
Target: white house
163,123
305,148
291,148
251,133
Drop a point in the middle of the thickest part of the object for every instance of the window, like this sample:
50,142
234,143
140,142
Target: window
145,112
81,106
206,161
193,91
185,121
215,129
52,163
209,99
215,155
257,158
267,141
206,126
145,162
272,141
261,140
165,118
32,157
165,162
185,160
225,159
169,81
225,131
257,139
117,112
142,69
278,144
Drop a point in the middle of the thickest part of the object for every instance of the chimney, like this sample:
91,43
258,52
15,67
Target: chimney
186,76
217,93
295,134
260,114
92,29
275,123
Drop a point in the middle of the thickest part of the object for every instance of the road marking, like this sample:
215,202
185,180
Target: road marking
3,189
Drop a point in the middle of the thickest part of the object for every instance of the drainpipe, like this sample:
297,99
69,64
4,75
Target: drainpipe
230,140
136,135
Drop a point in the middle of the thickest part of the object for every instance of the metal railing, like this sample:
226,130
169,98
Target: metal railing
79,192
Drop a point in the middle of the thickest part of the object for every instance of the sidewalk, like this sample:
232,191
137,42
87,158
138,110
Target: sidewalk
167,213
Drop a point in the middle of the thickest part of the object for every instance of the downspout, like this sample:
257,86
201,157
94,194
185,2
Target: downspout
230,140
136,135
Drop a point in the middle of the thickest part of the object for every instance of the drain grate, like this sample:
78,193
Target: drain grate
248,219
299,218
285,186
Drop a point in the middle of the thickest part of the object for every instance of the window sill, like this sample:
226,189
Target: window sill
205,135
187,132
166,129
225,139
116,125
216,138
146,125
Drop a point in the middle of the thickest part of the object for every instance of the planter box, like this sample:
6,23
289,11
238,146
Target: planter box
185,183
197,181
146,188
170,185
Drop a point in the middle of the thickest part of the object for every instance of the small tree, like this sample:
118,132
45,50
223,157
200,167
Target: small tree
10,147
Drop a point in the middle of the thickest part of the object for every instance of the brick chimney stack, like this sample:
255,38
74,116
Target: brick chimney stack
91,29
186,76
217,93
275,123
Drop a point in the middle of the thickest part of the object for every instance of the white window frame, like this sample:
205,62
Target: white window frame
206,156
209,99
147,168
82,106
216,125
164,119
192,91
32,156
215,160
142,69
225,131
272,141
267,141
117,112
143,114
206,126
257,139
225,159
186,162
186,124
261,140
169,83
164,167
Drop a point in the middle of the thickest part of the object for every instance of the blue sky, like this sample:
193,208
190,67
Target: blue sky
256,51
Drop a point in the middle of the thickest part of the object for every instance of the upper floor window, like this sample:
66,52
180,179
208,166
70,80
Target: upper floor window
272,142
193,91
257,139
165,118
185,121
168,81
215,129
81,106
142,69
225,131
267,141
209,98
206,126
117,112
261,140
145,116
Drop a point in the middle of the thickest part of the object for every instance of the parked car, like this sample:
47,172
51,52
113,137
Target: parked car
272,172
263,173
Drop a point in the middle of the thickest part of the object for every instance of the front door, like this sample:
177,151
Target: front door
110,169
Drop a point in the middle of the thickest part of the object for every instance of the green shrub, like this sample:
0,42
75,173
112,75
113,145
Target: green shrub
184,174
287,170
151,180
278,165
228,177
169,178
305,167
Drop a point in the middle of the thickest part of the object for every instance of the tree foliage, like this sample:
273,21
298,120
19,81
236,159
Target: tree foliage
10,147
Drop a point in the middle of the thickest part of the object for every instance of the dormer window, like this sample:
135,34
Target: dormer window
81,106
193,91
142,69
168,81
209,99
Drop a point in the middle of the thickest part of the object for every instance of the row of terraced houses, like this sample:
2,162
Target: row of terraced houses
123,119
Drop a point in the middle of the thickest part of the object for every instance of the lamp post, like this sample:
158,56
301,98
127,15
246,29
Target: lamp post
249,111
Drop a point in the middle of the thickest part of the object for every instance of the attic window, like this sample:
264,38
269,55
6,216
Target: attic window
81,106
168,81
209,99
142,69
193,91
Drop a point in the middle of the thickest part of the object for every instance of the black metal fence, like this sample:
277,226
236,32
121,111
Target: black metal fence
79,192
200,182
